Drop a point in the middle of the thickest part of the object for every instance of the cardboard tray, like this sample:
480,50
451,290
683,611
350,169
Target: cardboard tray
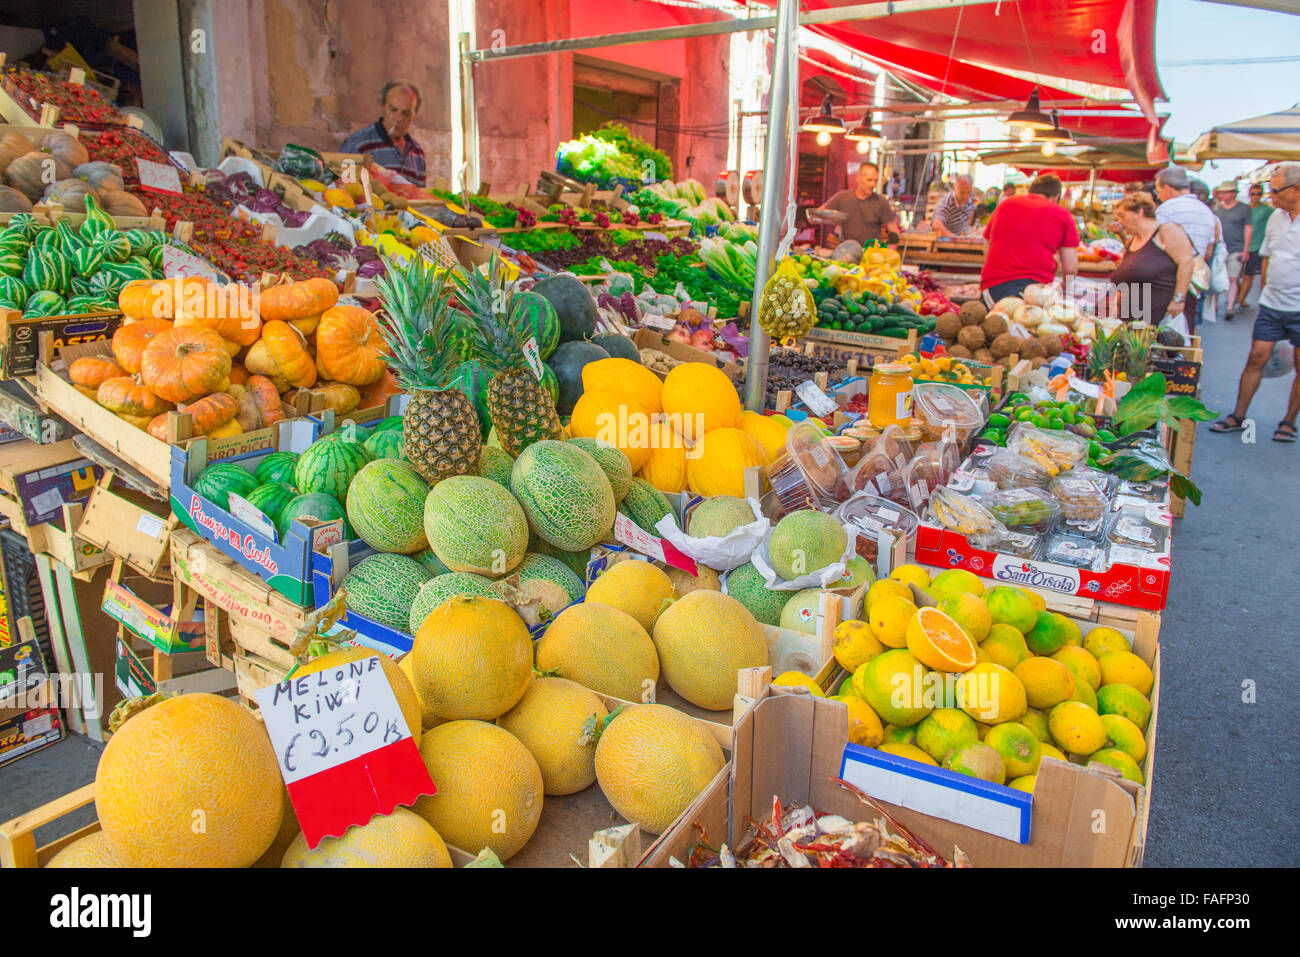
20,336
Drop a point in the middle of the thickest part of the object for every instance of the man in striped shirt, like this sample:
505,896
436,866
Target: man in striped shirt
388,141
953,215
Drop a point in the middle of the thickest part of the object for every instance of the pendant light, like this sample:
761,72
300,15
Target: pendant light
1055,134
864,132
826,121
1032,116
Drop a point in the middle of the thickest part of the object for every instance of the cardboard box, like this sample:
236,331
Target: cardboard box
859,346
29,712
653,339
20,337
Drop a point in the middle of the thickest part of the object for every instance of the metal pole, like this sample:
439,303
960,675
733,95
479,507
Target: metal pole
775,195
468,120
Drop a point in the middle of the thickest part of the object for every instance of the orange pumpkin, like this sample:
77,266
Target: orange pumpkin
92,371
297,300
339,396
129,341
378,392
127,396
349,347
231,428
211,412
282,354
259,403
142,299
184,363
238,375
227,310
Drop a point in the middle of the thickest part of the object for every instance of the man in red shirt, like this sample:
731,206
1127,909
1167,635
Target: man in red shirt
1024,238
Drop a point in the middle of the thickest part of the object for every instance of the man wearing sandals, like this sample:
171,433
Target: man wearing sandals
1279,303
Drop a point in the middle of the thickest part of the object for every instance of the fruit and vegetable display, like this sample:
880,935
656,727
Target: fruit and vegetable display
77,103
612,155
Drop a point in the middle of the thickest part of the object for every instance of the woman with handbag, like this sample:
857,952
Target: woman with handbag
1150,283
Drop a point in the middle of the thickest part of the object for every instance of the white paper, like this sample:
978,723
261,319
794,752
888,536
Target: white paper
237,164
818,402
821,578
150,525
47,502
177,262
666,323
634,536
721,553
166,179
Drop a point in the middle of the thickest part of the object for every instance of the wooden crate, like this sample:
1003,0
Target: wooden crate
1182,443
18,837
58,538
47,115
20,411
128,525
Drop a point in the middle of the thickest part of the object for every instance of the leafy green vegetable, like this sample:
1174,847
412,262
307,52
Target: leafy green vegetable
637,148
1146,404
1147,461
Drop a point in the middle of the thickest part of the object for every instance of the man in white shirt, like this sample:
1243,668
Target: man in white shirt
1279,303
1178,205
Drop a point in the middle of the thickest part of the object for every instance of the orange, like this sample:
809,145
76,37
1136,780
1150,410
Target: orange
938,642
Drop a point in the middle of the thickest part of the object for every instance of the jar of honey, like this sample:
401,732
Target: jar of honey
889,399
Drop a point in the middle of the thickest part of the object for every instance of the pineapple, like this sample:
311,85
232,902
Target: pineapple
521,409
1101,354
440,426
1137,352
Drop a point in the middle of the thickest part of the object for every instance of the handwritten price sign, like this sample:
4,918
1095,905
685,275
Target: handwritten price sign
345,750
158,177
634,536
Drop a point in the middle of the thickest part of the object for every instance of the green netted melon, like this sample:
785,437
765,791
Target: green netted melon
719,516
746,585
386,505
565,494
612,460
645,505
496,464
576,561
537,567
441,587
475,525
805,541
429,560
383,588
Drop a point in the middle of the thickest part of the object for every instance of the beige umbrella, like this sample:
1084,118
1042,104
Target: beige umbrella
1273,137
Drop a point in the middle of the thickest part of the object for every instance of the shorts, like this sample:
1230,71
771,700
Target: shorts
1274,325
1234,265
1012,287
1254,264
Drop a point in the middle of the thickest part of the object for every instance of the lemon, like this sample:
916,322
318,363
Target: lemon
970,612
1123,734
1082,664
944,729
1038,601
889,618
1020,750
864,724
911,575
1047,682
1102,640
984,729
979,761
1036,722
1025,783
992,694
1005,646
887,587
982,656
797,679
1126,668
894,685
909,751
855,645
1076,728
1121,762
1126,701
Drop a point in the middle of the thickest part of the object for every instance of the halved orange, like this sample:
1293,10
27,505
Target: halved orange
938,642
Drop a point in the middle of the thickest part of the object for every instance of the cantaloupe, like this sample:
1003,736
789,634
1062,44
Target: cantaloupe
564,493
718,517
652,761
191,781
400,839
636,587
475,525
434,592
554,721
612,460
495,464
805,541
703,639
428,717
472,658
93,850
289,829
407,699
684,582
489,787
538,566
747,585
603,649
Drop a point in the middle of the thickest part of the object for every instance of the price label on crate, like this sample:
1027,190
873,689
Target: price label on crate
344,748
158,177
179,263
818,402
665,323
634,536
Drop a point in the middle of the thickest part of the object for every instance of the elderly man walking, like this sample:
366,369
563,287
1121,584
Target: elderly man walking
1178,205
1279,304
954,213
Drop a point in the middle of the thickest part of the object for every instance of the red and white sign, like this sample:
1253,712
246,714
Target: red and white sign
177,262
345,750
634,536
158,177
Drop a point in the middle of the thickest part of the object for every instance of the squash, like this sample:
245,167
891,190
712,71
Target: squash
230,429
66,148
27,173
118,202
182,364
339,396
259,403
13,201
139,421
12,146
238,375
349,347
103,176
87,391
306,326
93,371
69,193
377,393
211,412
146,299
719,460
282,354
297,300
130,340
127,395
227,310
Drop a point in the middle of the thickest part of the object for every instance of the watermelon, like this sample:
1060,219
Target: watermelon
472,378
550,383
270,499
277,467
573,304
329,465
564,493
533,315
155,257
218,481
645,505
384,587
536,567
45,303
431,561
612,461
620,347
316,506
441,587
496,464
13,292
386,506
386,444
567,363
475,525
106,282
392,422
113,245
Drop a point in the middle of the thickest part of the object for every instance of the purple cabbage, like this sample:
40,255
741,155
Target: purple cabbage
365,254
265,201
371,268
730,334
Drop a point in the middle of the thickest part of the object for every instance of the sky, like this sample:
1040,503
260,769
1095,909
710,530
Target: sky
1204,95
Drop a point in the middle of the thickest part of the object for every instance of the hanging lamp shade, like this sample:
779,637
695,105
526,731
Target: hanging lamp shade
864,132
1032,116
1055,134
824,122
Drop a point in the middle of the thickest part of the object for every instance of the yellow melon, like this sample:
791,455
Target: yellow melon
703,639
700,398
638,588
489,787
407,699
428,717
626,378
190,782
614,418
554,721
289,829
603,649
400,839
684,582
93,850
767,430
652,761
473,658
716,466
665,464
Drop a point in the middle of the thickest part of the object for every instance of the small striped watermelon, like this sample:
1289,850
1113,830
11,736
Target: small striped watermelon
277,467
45,303
384,587
113,245
270,499
316,506
441,587
386,444
565,494
219,480
329,465
386,506
13,292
